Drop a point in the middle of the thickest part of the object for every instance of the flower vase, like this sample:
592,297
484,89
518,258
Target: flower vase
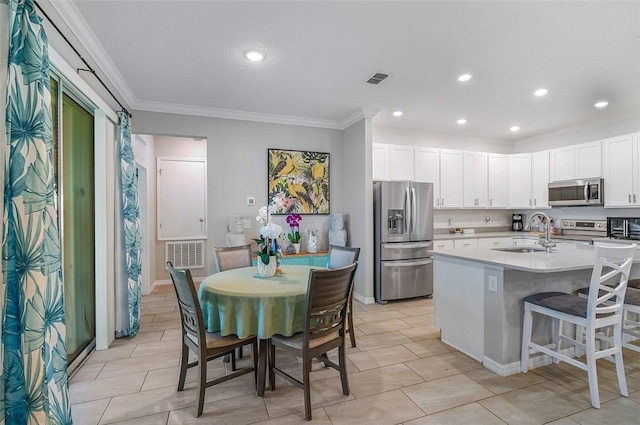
267,270
296,246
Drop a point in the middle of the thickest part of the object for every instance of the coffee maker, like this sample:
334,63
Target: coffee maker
516,222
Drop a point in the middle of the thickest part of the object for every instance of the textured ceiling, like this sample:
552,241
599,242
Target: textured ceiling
186,56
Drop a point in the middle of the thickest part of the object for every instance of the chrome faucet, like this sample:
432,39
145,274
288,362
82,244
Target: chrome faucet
546,222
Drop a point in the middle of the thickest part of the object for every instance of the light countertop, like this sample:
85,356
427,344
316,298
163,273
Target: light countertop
561,259
448,236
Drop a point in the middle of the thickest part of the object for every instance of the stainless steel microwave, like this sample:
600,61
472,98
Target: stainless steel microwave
576,192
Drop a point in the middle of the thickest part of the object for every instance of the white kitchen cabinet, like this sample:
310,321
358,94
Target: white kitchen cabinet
498,180
451,179
465,243
380,162
540,180
576,162
400,163
621,170
443,244
520,181
427,169
475,180
495,242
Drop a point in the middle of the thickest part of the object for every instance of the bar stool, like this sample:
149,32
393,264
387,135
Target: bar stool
603,308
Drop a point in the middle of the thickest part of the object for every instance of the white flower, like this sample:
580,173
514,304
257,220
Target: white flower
270,230
263,215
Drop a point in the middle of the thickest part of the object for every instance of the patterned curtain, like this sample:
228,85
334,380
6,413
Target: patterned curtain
34,371
130,267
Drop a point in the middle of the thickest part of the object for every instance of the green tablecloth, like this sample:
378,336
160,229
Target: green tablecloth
237,302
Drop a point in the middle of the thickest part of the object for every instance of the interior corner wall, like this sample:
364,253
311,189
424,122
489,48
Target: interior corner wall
358,202
237,168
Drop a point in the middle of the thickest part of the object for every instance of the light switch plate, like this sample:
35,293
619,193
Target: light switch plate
246,224
493,283
251,201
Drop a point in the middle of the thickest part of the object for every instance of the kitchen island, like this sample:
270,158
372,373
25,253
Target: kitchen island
478,298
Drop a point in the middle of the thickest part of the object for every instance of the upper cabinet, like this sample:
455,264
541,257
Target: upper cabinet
576,162
529,180
620,166
380,162
400,162
498,180
475,193
427,169
451,179
540,181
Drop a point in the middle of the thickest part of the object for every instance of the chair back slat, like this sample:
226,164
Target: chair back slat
327,299
235,257
340,256
609,279
190,312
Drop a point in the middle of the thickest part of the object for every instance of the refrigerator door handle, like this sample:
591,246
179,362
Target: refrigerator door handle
414,210
411,245
407,211
406,263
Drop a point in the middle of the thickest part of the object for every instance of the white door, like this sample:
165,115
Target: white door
427,169
618,167
540,182
498,181
562,163
182,198
400,163
380,162
588,160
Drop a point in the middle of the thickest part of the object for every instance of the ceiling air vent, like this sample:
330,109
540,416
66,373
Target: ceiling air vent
377,78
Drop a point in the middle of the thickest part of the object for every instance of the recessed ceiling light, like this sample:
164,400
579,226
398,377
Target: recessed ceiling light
461,121
541,92
255,55
397,113
515,128
601,104
464,77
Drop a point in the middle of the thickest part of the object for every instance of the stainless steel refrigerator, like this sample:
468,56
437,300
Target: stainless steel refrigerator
403,217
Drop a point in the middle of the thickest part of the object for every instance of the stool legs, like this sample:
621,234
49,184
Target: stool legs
526,337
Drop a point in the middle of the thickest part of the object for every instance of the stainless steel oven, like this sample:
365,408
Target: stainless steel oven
623,227
576,193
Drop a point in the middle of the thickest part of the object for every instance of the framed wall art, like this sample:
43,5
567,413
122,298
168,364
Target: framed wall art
298,181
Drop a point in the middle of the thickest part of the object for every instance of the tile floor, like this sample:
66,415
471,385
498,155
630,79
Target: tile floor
400,373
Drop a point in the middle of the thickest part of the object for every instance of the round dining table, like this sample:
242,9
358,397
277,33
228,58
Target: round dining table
238,302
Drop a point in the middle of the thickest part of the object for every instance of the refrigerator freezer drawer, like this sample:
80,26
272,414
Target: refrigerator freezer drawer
406,250
405,279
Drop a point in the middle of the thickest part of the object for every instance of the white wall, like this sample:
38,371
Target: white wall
412,137
581,134
237,168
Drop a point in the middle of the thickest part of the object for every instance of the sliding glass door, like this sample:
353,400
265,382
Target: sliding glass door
73,150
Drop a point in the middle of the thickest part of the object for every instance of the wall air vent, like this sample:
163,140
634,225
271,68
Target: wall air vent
377,78
141,140
185,255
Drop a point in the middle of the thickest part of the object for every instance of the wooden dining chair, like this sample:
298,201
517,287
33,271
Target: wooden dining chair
340,256
205,345
234,257
601,310
324,329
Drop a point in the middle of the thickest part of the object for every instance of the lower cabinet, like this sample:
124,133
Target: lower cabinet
523,241
495,242
465,243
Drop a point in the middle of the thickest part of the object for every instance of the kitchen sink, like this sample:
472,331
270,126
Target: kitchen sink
521,249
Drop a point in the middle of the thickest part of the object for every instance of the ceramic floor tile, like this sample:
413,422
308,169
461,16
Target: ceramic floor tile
448,364
156,419
575,388
160,326
140,338
88,372
441,394
89,413
382,379
380,315
123,352
563,421
171,334
318,416
417,321
137,364
234,411
146,403
381,357
421,333
471,413
429,347
386,326
390,407
620,411
531,405
416,311
380,340
498,384
106,388
151,348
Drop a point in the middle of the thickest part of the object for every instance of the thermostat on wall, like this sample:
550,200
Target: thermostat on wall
251,201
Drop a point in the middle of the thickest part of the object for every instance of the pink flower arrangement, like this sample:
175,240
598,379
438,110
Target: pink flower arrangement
293,220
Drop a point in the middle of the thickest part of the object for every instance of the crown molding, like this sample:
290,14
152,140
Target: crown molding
236,115
364,113
68,12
